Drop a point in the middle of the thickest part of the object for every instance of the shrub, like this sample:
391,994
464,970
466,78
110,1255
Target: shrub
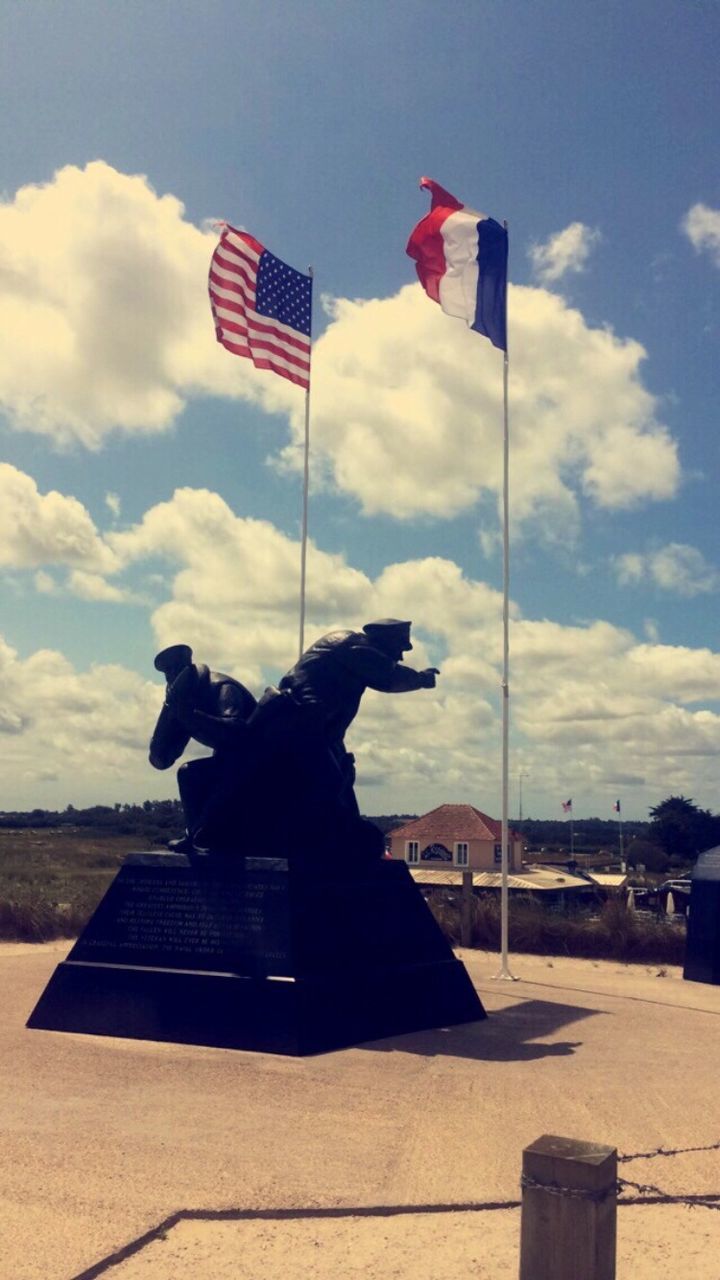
614,934
36,920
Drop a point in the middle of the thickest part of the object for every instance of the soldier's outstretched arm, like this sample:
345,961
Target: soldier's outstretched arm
378,671
405,679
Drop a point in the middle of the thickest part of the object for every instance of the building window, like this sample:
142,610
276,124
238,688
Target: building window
436,853
461,853
412,851
498,854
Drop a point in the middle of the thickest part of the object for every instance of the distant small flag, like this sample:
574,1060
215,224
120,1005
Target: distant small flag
616,806
261,307
567,806
461,261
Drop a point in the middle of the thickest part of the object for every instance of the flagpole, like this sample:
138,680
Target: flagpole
504,890
483,259
306,487
237,265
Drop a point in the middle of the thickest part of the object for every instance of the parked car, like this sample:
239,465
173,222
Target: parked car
677,893
682,885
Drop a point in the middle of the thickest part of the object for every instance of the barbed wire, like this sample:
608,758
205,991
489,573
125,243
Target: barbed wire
666,1151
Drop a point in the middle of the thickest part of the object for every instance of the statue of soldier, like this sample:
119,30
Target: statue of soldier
302,724
212,709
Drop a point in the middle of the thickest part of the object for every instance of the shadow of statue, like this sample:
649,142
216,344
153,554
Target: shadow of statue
509,1035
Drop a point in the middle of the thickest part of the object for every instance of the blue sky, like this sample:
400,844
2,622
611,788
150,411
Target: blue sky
149,479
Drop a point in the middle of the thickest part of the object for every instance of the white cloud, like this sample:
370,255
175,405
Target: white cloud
103,301
112,502
675,567
491,541
584,700
235,593
651,630
614,707
629,567
55,529
567,250
45,584
674,671
701,225
588,704
84,732
104,311
407,412
41,529
92,586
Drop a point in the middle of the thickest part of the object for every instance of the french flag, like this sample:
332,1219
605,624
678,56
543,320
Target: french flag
461,260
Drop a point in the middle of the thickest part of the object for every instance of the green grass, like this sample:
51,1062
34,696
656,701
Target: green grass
51,880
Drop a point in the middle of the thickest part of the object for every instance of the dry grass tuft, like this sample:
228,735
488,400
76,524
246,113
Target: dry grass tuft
51,881
614,934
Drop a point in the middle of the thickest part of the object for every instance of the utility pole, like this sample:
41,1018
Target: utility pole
520,782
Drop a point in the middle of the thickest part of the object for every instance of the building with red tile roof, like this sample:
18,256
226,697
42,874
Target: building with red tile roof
458,835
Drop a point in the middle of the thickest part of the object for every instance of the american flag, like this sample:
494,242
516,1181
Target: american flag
616,806
261,306
567,806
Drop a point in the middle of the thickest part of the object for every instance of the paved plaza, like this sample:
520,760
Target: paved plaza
396,1159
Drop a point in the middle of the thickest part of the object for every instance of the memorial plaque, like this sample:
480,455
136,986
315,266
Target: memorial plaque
160,912
258,954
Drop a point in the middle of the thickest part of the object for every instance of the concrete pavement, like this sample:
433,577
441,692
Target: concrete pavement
105,1140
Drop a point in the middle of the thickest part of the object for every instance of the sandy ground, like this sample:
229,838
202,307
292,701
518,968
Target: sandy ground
653,1241
105,1140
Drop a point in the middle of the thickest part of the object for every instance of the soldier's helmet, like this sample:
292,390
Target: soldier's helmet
175,658
389,634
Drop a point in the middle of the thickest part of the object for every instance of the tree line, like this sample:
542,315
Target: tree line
154,820
676,831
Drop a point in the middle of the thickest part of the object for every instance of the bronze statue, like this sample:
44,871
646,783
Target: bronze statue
332,675
212,709
280,782
328,681
301,725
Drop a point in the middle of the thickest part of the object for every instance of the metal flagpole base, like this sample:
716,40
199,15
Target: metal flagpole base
504,974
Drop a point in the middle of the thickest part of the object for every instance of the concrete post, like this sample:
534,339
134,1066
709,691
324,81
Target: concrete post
466,902
569,1210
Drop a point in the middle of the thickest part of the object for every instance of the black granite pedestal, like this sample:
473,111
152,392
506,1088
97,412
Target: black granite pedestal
258,954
